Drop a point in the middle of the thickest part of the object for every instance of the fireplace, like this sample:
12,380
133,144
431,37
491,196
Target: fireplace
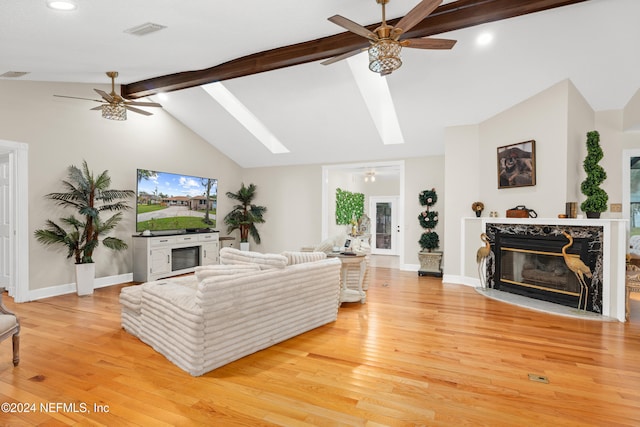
527,260
182,258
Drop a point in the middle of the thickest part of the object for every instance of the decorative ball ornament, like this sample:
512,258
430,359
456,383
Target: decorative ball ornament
428,219
428,197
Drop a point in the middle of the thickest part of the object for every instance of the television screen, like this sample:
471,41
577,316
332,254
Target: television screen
169,201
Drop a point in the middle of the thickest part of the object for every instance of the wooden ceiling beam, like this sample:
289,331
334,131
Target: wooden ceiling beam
448,17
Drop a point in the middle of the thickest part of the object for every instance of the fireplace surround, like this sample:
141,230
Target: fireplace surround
528,261
610,299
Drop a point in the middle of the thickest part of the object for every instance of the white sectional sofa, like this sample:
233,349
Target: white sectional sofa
224,312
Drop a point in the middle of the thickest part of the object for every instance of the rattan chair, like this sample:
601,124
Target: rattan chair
10,327
632,284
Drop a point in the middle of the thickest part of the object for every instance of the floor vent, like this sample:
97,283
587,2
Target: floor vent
539,378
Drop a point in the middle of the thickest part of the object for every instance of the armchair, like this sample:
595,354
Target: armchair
10,327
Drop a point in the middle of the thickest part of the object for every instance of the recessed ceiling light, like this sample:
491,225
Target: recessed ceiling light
484,39
62,4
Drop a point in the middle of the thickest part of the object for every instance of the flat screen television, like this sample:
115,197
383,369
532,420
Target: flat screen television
169,201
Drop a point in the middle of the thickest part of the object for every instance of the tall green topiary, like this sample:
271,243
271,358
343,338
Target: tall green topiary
597,198
428,220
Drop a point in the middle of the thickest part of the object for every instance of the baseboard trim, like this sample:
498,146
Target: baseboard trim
70,288
461,280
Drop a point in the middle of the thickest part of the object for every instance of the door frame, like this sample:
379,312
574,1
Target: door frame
395,224
20,243
626,184
326,209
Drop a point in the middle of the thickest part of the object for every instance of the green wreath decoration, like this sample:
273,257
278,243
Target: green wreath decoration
428,197
428,219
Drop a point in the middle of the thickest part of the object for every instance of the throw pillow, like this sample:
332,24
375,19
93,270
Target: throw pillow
302,257
265,261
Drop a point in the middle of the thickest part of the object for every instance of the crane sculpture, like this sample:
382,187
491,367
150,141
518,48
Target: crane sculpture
481,259
579,268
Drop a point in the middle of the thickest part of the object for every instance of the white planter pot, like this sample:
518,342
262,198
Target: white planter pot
244,246
85,276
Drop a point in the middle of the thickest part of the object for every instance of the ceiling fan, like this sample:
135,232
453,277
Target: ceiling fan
386,43
114,107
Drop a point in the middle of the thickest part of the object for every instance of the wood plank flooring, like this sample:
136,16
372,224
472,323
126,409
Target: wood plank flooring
419,352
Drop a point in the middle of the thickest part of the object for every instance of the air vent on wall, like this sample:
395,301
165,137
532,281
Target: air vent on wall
144,29
14,74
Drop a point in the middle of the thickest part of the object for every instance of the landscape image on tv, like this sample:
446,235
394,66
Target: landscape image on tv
168,201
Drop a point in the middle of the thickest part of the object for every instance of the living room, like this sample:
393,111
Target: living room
66,126
47,135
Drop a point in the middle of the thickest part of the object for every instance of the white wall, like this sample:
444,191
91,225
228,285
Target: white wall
631,114
292,196
61,132
462,186
580,120
558,120
542,118
422,173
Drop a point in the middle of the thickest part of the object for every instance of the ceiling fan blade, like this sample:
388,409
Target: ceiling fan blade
104,95
99,107
76,97
137,110
143,104
415,15
428,43
353,27
343,56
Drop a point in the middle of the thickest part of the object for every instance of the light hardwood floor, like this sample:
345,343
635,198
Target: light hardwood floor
419,352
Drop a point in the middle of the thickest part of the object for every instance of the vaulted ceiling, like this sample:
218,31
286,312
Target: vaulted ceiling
317,111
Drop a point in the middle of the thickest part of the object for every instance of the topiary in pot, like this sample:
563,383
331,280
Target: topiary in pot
429,240
597,198
428,220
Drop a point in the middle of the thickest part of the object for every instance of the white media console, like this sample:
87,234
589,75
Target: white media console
156,257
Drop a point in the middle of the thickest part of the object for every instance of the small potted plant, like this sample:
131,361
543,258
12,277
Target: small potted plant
430,260
597,198
89,196
245,215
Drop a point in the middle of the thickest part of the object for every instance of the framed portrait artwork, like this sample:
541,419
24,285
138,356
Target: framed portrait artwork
517,165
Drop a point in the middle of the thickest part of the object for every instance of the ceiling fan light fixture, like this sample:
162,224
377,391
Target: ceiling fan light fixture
384,56
114,112
66,5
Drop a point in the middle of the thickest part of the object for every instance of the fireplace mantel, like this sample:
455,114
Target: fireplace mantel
613,248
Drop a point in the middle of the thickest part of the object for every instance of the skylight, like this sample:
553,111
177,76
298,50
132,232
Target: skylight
229,102
377,97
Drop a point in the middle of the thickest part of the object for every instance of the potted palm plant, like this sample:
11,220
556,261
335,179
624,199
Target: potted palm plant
245,215
89,196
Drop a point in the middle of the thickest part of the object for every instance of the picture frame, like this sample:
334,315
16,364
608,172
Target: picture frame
517,165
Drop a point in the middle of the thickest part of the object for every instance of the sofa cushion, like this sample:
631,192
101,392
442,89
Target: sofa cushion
205,272
264,261
302,257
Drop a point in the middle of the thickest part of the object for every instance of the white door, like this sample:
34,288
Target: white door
6,224
385,227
